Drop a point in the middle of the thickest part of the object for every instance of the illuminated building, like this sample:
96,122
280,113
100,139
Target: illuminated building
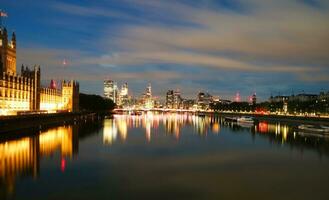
253,99
23,93
203,100
170,99
173,99
188,104
111,90
177,99
279,98
147,98
148,91
123,96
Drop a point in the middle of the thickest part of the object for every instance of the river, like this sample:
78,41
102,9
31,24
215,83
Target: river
165,156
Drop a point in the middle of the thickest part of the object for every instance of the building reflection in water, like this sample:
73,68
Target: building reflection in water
109,131
277,128
21,157
173,123
150,122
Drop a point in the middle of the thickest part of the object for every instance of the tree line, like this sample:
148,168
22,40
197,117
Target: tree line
95,103
312,106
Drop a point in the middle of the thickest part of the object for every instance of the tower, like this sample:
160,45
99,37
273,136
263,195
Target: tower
110,90
7,52
70,96
254,99
34,76
170,99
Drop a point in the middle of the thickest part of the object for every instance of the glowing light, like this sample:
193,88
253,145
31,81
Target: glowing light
263,127
237,97
215,128
64,62
63,164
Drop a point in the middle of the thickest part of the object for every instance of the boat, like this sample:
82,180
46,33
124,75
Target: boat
245,125
245,120
312,134
231,119
313,128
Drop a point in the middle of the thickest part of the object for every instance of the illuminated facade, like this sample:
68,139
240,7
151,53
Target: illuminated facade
111,90
123,97
174,99
147,98
23,93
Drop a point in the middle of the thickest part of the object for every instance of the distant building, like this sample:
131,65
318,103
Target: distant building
303,97
123,96
300,97
254,99
174,99
23,93
277,99
225,102
188,104
169,99
111,90
177,99
147,99
324,96
203,100
148,93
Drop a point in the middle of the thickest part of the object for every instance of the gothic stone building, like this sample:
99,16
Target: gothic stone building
23,93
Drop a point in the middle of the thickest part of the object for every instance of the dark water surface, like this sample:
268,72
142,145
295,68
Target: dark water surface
165,156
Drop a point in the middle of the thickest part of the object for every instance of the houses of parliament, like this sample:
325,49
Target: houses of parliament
22,93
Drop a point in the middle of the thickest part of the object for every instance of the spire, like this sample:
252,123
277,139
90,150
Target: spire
5,37
13,40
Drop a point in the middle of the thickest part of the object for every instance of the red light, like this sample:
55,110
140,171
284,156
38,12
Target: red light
263,127
63,164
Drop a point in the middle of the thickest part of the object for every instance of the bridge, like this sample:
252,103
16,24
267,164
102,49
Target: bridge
119,110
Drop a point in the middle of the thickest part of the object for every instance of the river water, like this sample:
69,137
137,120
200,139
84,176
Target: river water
165,156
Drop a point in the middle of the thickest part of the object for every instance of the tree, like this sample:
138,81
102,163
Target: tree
96,103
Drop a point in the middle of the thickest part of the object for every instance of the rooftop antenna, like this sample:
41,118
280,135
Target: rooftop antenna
2,14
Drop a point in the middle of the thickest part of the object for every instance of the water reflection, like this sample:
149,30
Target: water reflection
21,157
173,123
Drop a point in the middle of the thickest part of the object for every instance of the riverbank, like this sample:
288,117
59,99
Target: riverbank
281,118
38,121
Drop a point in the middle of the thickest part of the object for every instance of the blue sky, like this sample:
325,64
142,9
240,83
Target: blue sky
224,46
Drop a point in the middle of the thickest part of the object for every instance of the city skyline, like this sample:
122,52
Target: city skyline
222,47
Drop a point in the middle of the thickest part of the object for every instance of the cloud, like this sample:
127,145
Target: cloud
90,11
271,36
268,35
189,58
281,41
314,78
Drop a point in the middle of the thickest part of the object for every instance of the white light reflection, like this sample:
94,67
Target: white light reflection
109,132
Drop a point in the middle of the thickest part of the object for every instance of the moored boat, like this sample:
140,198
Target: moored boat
246,120
313,128
231,119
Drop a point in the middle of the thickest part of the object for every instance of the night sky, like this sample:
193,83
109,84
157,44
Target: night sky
220,46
